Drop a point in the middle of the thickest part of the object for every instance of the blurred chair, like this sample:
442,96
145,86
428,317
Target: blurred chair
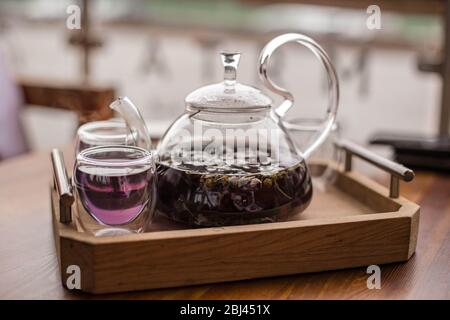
89,102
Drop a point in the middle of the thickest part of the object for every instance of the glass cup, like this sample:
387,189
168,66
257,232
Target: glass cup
101,133
324,159
115,189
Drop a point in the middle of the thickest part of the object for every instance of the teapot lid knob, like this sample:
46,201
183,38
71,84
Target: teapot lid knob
230,61
228,95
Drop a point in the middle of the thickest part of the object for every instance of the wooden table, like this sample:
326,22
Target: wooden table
29,267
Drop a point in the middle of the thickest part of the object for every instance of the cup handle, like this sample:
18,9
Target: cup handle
333,83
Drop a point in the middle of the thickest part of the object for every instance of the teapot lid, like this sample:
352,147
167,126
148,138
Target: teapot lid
228,95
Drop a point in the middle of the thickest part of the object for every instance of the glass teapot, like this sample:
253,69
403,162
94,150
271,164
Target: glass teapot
229,159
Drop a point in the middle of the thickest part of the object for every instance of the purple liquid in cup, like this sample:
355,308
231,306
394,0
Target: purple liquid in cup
114,196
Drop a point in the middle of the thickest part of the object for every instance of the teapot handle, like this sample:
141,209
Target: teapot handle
333,83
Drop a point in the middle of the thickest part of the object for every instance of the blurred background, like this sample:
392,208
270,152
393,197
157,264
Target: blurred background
156,52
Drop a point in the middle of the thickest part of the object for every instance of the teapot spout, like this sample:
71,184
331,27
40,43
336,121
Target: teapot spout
134,121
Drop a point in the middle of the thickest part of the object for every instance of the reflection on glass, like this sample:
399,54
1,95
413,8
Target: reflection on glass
324,159
101,133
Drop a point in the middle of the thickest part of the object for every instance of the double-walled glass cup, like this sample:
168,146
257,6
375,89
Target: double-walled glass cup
101,133
116,189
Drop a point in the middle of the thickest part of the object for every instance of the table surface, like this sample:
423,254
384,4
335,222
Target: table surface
29,266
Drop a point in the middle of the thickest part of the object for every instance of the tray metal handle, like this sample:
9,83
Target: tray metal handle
63,186
396,170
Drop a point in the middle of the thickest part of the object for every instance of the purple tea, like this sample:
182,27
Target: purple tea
231,194
113,196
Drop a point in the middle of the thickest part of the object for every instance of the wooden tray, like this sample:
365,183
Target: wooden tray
353,224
